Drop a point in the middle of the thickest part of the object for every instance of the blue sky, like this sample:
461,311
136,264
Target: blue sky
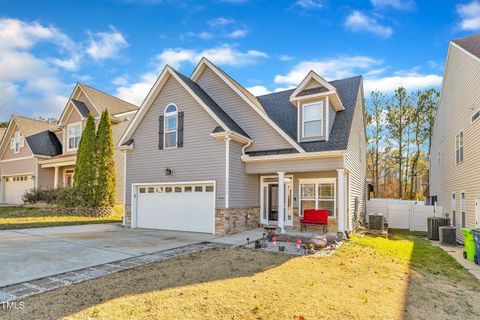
120,46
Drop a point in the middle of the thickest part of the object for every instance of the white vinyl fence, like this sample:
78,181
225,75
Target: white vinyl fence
399,214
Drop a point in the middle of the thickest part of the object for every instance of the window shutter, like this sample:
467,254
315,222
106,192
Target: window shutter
160,132
180,130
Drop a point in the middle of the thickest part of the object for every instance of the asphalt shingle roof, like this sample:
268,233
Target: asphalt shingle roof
219,112
81,107
45,143
284,114
470,43
104,101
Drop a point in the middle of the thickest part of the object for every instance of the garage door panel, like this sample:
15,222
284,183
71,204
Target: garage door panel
15,187
182,211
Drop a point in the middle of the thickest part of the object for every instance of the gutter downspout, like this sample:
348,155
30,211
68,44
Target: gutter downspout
227,171
245,147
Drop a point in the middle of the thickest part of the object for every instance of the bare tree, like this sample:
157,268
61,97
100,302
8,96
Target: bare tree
397,122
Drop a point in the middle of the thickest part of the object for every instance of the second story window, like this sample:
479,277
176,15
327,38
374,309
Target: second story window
459,148
74,135
170,132
312,119
17,142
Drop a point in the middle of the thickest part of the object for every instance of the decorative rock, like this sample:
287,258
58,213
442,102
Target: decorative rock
318,241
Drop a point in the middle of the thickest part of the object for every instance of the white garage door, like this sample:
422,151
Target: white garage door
182,207
15,187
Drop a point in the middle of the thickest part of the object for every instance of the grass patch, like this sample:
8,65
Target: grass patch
20,218
368,278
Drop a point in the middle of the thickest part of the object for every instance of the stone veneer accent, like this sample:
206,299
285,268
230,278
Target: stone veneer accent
234,220
78,211
127,212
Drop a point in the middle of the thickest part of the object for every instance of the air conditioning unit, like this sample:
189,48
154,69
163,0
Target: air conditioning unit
376,221
434,223
448,236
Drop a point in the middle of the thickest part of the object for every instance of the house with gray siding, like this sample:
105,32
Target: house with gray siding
203,154
455,153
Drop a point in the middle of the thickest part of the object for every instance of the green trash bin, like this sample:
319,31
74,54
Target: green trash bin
469,242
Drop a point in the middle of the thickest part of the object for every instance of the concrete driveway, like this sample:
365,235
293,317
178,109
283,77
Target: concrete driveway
29,254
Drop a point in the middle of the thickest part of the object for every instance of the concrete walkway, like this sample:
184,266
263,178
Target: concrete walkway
457,254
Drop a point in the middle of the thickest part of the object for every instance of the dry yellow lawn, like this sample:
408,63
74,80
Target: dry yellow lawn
369,278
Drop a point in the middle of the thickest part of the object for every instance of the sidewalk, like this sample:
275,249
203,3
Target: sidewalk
457,254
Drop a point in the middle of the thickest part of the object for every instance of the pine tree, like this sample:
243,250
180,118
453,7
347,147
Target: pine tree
85,169
105,163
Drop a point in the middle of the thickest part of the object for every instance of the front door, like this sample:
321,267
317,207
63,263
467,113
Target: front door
269,201
273,202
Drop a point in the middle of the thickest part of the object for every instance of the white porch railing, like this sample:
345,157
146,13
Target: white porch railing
399,214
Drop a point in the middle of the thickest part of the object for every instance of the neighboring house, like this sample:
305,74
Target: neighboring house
203,154
455,152
37,154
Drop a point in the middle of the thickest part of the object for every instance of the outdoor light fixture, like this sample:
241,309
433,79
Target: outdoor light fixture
168,172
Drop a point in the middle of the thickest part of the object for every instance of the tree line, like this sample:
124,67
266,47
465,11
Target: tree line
400,129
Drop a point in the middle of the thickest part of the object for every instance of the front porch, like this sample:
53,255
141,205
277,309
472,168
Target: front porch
57,171
299,191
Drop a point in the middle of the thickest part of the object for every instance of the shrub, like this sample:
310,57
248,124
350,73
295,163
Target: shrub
67,197
34,196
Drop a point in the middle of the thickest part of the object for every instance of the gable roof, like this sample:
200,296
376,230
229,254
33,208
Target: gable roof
103,101
44,143
284,114
470,44
212,104
217,113
243,93
29,127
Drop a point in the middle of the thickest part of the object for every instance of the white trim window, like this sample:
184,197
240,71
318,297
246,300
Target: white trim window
459,148
170,132
312,119
74,134
17,142
319,194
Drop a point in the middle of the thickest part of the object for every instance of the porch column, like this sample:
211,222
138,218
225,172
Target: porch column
341,200
55,179
281,201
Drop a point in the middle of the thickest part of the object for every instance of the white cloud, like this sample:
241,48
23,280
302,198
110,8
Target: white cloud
176,57
258,90
410,82
470,15
330,69
220,21
120,81
309,4
359,22
285,57
106,45
395,4
27,81
373,71
236,34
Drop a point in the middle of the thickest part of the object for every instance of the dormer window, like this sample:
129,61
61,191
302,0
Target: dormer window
312,119
17,142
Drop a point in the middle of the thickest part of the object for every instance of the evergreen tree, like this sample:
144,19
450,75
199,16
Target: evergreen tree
85,169
105,163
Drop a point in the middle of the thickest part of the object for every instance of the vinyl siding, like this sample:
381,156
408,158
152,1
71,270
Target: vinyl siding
73,117
25,151
82,97
244,188
303,165
265,137
45,177
355,161
460,98
331,117
201,157
18,166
